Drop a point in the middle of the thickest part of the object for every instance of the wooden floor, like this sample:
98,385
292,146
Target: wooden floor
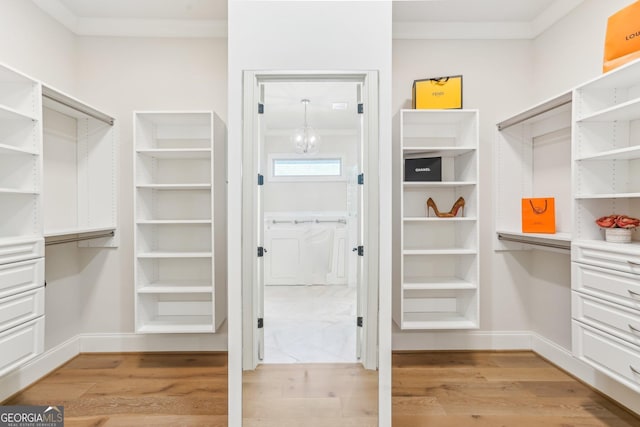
483,389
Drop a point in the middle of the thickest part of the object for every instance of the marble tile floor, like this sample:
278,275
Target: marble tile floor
310,324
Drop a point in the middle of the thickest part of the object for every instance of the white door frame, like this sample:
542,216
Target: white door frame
250,168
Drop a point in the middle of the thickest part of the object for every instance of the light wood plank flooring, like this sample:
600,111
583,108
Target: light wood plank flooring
484,389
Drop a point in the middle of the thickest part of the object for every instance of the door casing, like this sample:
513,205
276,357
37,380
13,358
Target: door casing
252,95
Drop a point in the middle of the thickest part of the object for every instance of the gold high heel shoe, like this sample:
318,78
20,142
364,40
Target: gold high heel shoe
453,212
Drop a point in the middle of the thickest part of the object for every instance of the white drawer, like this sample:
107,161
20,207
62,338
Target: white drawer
623,257
21,276
20,344
18,309
611,356
12,250
611,285
612,318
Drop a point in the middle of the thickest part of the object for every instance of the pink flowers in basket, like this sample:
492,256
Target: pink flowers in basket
618,221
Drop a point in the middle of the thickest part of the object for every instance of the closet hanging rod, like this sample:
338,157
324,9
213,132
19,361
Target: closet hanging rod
80,238
306,221
565,246
550,105
74,104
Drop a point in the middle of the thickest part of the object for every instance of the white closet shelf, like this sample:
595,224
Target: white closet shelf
18,191
438,151
608,196
436,219
79,230
436,283
7,113
173,287
174,255
10,149
178,324
560,240
627,153
632,248
437,321
453,251
437,117
629,110
173,221
175,186
438,184
176,153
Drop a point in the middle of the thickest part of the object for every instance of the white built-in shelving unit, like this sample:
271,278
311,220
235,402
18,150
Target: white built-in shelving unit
57,185
440,265
606,180
179,220
21,216
533,159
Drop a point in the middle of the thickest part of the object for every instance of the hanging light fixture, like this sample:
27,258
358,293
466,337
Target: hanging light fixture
305,139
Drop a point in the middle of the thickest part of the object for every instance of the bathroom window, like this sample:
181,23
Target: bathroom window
287,168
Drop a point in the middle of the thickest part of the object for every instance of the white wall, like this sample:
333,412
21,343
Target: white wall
305,36
35,44
496,80
119,76
571,51
309,196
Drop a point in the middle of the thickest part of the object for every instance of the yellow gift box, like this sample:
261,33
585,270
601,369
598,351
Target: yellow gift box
437,93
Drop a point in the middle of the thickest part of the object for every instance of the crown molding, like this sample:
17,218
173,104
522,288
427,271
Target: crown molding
151,28
80,26
218,28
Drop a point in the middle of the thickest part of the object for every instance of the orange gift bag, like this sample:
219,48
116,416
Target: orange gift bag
622,42
539,215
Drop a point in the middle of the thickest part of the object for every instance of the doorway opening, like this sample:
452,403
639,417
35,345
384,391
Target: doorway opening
310,294
311,150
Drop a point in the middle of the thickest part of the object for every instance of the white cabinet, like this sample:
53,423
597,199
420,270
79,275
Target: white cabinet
606,180
439,267
80,172
533,159
180,241
306,249
21,216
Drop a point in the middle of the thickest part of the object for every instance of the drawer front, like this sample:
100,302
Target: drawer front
20,344
18,309
13,250
21,276
611,285
611,356
616,320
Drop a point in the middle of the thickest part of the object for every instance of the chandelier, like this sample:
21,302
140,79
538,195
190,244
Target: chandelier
305,139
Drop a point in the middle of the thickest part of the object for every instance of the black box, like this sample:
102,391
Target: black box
423,169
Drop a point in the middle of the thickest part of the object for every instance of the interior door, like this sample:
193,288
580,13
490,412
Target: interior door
360,249
262,250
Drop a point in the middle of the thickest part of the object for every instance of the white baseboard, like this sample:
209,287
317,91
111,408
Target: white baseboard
38,367
461,340
564,359
113,343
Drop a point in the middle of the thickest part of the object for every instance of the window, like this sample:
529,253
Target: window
307,167
288,168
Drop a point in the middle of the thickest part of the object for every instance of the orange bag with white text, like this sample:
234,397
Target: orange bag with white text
622,42
539,215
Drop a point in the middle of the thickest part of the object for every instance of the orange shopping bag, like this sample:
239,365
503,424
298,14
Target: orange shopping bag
622,42
539,215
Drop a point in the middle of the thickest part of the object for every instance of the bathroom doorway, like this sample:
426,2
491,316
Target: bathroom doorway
311,151
313,294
